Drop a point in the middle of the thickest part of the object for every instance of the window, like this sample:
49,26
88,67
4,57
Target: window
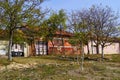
57,42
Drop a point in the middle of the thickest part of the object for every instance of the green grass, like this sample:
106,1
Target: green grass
115,58
4,61
62,68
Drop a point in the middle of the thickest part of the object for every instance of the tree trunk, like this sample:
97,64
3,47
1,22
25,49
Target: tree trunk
53,46
10,46
119,47
97,49
92,46
77,59
102,55
38,48
33,48
63,50
77,56
88,49
82,57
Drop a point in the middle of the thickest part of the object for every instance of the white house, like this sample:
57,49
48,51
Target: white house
17,49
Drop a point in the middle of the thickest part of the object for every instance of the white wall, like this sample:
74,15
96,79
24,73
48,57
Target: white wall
111,49
3,47
26,50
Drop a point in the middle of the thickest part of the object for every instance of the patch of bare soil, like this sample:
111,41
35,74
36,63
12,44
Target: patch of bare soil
79,73
15,65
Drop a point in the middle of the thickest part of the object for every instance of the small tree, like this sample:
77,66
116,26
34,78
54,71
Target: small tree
79,28
52,25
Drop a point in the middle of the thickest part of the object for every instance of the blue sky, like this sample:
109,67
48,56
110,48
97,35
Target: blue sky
80,4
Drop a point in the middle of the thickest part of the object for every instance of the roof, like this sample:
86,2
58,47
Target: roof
63,33
57,33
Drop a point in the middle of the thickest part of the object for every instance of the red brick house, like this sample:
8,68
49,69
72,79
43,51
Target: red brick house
58,45
61,43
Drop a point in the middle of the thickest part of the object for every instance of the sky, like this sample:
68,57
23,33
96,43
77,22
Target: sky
69,5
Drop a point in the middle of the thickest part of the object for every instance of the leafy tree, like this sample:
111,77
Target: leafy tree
15,14
52,24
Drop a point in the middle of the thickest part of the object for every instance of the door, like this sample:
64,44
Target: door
41,48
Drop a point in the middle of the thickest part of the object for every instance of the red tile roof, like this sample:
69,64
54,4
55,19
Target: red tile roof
64,33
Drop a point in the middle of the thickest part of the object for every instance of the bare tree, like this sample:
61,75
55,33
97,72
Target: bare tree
97,24
103,22
79,28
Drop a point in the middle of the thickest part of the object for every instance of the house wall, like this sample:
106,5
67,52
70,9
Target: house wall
31,49
26,50
111,49
58,47
3,47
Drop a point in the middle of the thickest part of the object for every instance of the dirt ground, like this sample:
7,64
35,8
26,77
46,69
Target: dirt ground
58,68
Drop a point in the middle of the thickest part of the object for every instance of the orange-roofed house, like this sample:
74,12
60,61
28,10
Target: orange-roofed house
58,45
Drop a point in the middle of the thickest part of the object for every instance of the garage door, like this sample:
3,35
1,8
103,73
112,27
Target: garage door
17,50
